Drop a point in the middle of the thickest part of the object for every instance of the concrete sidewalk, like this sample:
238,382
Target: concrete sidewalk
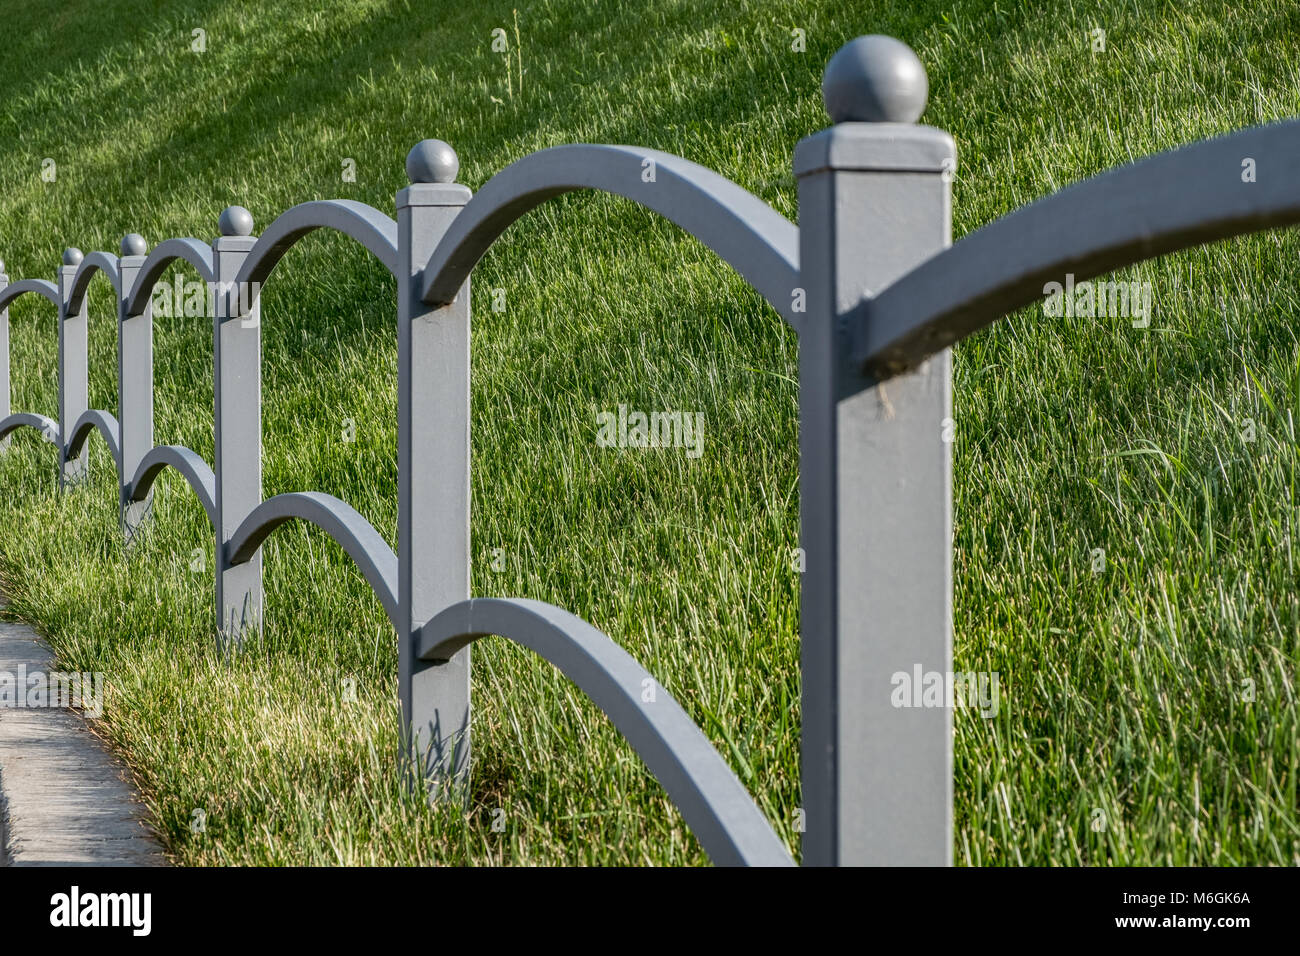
64,799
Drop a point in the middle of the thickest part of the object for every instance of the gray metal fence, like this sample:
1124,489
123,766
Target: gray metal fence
876,296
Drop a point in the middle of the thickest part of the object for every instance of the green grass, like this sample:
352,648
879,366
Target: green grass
1122,690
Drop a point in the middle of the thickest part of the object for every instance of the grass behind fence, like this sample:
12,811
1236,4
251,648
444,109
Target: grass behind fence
1148,711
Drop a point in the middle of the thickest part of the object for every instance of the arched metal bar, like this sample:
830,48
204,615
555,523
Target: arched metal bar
38,286
760,243
196,253
1164,203
195,470
715,805
87,422
336,518
48,427
367,225
94,262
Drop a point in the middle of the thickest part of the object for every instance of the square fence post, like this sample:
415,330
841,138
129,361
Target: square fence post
876,498
134,386
74,372
5,396
237,424
433,377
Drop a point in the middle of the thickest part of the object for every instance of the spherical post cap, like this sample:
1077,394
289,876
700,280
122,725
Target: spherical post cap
875,79
133,244
235,221
432,161
72,256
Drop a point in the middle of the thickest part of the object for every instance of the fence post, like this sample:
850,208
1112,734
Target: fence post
237,424
874,201
134,385
5,407
74,371
433,464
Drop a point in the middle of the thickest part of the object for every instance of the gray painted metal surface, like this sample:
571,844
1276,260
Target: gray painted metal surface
48,427
367,225
875,79
75,295
5,407
42,287
1184,197
74,370
433,491
237,424
92,420
196,253
134,389
11,421
760,243
194,469
876,511
868,281
714,803
339,520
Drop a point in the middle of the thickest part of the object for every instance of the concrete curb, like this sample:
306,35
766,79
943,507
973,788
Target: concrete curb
64,799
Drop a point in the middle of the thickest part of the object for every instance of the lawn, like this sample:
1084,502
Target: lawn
1149,708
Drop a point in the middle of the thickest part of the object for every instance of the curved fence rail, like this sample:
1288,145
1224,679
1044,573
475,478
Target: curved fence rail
760,243
48,428
874,196
714,803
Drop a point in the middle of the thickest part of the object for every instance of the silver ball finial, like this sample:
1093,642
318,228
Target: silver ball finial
432,161
133,244
875,79
235,221
72,256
